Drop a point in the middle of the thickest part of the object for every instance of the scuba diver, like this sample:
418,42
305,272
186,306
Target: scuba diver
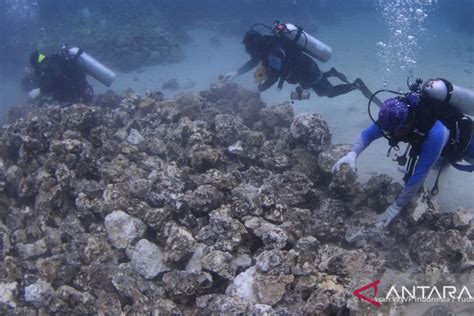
63,75
283,56
431,119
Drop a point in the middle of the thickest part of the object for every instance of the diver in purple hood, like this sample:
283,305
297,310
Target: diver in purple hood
432,128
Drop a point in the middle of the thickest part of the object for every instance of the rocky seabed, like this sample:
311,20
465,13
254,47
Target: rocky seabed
209,204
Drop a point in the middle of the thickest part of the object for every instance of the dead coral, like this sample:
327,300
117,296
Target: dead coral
211,203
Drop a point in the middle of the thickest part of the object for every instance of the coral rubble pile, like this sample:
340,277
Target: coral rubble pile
211,203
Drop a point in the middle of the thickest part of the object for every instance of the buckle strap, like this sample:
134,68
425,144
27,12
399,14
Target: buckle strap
298,33
449,85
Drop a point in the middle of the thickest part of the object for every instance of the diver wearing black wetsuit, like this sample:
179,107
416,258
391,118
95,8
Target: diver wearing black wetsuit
61,77
283,61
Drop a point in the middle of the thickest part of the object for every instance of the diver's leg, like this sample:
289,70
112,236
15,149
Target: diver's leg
334,73
366,92
322,87
325,88
341,89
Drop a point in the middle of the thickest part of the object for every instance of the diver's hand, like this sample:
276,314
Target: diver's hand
349,159
33,94
230,76
384,219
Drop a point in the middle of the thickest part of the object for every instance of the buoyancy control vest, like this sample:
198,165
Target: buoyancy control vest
290,62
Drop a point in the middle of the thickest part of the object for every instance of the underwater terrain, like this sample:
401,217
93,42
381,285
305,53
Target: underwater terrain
178,193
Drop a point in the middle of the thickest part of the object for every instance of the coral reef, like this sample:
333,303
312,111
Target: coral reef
210,203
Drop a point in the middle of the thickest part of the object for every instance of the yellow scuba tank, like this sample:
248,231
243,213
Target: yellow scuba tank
260,74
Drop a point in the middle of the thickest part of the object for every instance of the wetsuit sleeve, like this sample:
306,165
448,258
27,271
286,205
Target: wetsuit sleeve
430,152
365,138
251,64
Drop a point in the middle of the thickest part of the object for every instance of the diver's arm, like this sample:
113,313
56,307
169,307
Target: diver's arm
430,152
270,81
365,138
248,66
251,64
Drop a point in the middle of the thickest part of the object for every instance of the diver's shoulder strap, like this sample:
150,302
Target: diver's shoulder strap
449,86
298,33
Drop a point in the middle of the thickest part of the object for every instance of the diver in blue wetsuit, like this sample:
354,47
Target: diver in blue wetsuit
433,129
283,60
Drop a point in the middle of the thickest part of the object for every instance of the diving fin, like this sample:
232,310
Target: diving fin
366,92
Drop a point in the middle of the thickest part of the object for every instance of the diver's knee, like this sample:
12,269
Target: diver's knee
331,94
320,93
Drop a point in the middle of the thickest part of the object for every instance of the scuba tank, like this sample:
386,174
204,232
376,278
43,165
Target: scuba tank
310,45
442,90
92,67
